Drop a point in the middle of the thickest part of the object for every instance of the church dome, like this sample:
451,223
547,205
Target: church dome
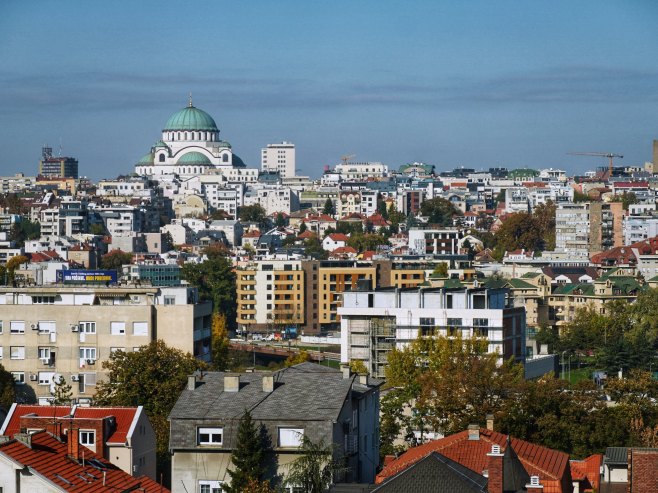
191,118
194,158
148,159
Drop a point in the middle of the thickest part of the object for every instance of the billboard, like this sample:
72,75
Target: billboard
87,276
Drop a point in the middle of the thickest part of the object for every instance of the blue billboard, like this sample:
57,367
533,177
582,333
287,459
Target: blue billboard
87,276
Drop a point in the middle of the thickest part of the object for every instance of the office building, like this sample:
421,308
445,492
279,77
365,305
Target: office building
279,158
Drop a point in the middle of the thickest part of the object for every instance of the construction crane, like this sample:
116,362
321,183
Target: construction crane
345,159
609,155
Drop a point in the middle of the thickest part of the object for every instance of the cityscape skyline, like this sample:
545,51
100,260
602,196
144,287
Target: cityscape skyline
475,85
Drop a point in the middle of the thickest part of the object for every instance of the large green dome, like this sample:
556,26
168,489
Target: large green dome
193,158
191,118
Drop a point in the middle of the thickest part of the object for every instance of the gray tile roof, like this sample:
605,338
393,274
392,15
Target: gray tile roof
302,392
616,455
435,474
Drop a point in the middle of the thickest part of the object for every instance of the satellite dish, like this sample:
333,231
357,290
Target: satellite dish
56,377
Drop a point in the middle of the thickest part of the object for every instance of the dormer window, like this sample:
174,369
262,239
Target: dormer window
162,158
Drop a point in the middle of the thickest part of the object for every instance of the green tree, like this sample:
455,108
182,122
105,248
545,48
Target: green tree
313,248
220,342
7,388
441,270
62,392
627,198
253,214
152,377
248,457
24,230
358,366
439,211
454,381
297,358
329,208
302,227
215,280
12,264
519,230
115,260
280,220
362,242
314,470
97,229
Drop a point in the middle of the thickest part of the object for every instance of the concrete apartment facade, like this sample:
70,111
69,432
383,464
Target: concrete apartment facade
582,229
59,330
373,322
279,157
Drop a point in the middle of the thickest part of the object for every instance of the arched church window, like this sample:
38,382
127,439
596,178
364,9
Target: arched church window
162,158
178,136
225,158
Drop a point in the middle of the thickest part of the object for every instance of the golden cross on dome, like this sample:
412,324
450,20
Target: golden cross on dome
190,103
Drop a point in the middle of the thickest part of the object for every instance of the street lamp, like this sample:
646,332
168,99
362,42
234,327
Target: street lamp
562,363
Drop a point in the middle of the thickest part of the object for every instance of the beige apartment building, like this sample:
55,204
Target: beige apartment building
58,330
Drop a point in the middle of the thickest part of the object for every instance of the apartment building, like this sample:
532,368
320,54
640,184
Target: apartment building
280,158
434,241
373,322
270,295
69,330
588,227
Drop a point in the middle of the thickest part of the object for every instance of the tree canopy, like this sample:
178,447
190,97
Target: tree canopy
153,377
248,457
439,211
115,260
253,214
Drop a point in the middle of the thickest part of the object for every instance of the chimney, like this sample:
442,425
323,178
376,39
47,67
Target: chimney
534,486
191,382
495,470
25,438
55,429
231,382
490,422
345,368
473,432
268,383
73,443
363,378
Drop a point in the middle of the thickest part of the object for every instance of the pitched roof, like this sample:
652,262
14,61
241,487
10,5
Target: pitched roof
551,466
338,237
48,458
432,472
302,392
124,417
587,472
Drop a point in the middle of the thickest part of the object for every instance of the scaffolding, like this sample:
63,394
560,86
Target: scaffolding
382,341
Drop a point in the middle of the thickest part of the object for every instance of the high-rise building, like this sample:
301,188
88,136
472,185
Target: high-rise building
62,167
279,157
588,227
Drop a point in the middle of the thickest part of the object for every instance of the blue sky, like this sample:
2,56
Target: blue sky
473,83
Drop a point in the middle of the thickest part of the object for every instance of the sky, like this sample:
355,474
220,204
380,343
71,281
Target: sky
471,83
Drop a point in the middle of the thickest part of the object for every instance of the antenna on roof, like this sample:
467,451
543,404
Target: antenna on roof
60,147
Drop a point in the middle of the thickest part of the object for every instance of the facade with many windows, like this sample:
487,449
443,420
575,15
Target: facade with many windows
52,331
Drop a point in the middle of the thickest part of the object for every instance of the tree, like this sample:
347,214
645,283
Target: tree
362,242
314,470
329,208
441,270
302,227
313,248
24,230
215,250
62,392
357,366
254,486
219,342
297,358
152,377
253,214
7,388
626,198
454,381
280,220
12,264
97,229
519,230
215,280
248,456
439,211
115,260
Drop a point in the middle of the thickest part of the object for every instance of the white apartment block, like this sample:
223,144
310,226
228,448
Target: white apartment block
121,220
279,157
433,241
123,188
361,171
572,229
639,228
373,322
273,199
69,330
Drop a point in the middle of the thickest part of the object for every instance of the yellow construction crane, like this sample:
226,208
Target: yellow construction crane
345,159
609,155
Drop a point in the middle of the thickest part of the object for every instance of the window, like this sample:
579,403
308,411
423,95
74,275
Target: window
44,354
291,437
207,486
455,322
47,327
427,321
115,349
169,300
88,438
17,352
88,353
0,352
19,377
117,328
88,327
1,323
46,377
210,436
17,327
140,328
43,300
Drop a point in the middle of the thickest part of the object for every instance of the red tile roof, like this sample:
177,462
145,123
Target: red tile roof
338,237
587,472
124,417
48,458
551,466
344,250
307,234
